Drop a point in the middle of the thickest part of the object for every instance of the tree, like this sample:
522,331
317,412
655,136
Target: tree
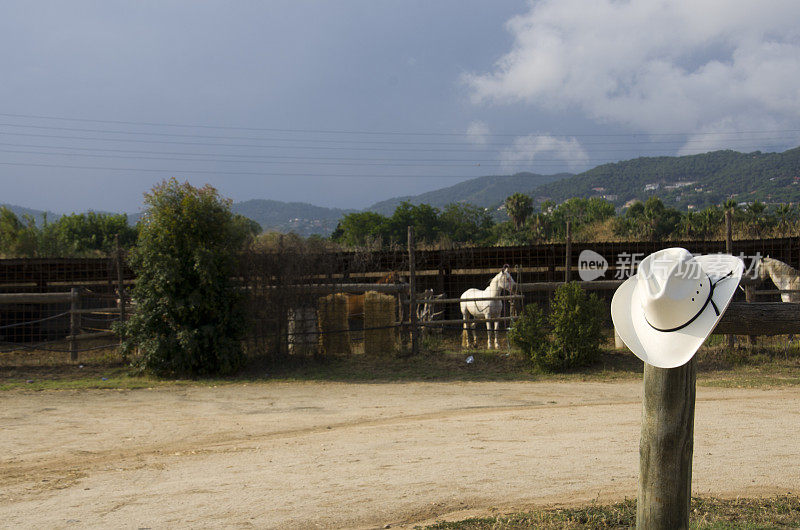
649,220
465,223
423,217
661,221
17,238
79,234
249,227
189,319
580,212
785,214
519,207
756,218
359,229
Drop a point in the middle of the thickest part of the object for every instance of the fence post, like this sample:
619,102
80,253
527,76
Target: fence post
729,250
74,322
665,447
412,287
750,296
120,281
568,268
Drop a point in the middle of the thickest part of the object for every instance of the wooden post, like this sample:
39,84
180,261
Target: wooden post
412,288
750,296
665,448
74,322
282,340
729,250
729,231
120,281
568,264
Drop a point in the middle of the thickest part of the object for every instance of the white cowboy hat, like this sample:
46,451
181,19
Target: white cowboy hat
665,311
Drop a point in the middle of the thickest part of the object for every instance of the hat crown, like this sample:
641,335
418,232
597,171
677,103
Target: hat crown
674,288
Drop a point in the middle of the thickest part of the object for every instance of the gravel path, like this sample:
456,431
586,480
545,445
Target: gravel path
305,455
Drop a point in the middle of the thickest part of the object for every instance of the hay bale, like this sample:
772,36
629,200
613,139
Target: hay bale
334,332
379,312
302,330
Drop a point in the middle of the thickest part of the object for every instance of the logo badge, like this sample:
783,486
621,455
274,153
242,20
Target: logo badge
591,265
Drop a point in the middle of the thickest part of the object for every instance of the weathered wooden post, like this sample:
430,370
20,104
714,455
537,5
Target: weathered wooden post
729,250
665,447
120,280
750,296
568,264
662,320
412,287
74,323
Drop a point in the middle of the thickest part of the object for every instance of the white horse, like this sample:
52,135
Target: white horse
782,275
484,309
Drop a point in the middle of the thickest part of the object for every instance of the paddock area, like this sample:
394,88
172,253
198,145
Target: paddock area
306,455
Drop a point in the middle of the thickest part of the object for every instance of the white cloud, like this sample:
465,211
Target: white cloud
655,66
478,133
527,150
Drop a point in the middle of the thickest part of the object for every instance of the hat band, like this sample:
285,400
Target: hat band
709,299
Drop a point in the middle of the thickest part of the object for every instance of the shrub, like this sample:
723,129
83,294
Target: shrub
189,318
529,332
575,330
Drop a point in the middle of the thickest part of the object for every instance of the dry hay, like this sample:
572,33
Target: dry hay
302,330
379,330
334,337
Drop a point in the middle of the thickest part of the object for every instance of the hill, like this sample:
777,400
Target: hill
299,217
693,181
482,191
38,215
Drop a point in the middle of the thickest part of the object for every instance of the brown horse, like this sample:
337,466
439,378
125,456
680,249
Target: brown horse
355,302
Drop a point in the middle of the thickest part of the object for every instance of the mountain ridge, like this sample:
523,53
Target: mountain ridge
685,182
486,191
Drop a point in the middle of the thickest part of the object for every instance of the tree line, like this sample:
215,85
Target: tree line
592,219
517,222
90,234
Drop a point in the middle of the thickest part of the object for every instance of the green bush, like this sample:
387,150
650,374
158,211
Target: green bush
529,332
572,335
189,318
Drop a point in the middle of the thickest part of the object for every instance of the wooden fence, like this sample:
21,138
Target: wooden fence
538,269
76,331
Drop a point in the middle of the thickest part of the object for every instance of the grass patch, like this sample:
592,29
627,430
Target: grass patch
769,365
706,513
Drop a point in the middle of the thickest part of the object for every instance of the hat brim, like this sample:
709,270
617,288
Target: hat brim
670,349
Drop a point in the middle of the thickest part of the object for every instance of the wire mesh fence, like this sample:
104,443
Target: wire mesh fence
54,306
303,302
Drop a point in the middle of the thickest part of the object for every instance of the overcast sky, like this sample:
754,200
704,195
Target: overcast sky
349,102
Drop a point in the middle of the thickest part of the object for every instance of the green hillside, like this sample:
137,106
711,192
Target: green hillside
298,217
696,180
482,191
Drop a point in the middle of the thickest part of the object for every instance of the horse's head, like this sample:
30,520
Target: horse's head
761,268
503,280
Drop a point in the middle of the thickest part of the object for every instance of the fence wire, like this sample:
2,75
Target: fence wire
293,292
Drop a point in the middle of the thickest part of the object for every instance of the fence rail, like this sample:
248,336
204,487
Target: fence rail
75,314
278,283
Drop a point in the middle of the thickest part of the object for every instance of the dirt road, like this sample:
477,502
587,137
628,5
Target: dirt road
305,455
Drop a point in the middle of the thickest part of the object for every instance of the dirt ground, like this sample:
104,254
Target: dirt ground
328,455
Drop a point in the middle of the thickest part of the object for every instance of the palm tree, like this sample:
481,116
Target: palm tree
690,222
755,217
785,214
519,207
